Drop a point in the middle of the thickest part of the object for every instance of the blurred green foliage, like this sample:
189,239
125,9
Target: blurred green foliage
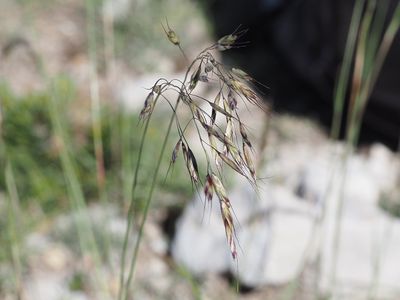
32,148
29,142
139,36
78,282
34,151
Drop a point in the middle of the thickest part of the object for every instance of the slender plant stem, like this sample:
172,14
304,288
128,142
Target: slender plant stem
124,289
109,40
14,227
354,97
375,36
339,102
95,114
358,84
86,237
148,200
130,210
372,76
126,156
341,87
364,79
95,97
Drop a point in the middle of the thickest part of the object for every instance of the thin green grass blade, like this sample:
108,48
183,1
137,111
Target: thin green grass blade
344,75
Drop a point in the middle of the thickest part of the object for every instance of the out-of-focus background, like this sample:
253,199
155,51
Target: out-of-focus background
324,224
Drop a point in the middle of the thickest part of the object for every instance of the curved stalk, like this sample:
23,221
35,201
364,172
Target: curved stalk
124,286
130,209
148,201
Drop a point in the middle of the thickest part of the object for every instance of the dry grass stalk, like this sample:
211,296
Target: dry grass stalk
229,141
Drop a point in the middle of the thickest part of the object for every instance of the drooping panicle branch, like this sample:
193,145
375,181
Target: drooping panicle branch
218,119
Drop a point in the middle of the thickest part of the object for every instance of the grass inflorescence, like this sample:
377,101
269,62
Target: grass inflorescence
221,132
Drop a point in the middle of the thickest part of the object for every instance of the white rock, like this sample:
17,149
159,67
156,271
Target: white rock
275,232
272,233
291,227
253,236
116,10
199,243
362,230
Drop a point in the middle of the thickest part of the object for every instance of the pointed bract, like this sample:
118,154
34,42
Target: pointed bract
208,67
203,77
195,78
243,133
176,151
249,161
231,163
241,74
225,206
232,100
148,106
226,42
220,110
157,89
229,227
209,188
172,36
219,188
191,163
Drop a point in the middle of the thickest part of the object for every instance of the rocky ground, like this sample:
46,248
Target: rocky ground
286,235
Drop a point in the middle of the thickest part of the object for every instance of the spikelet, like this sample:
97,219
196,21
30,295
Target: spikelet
157,89
192,166
211,131
243,133
213,61
172,36
213,116
195,79
234,165
208,67
203,77
209,188
185,98
221,110
214,110
248,93
241,74
148,106
176,151
234,151
229,130
219,188
249,161
229,226
227,107
232,102
221,137
226,213
191,163
226,42
199,115
214,150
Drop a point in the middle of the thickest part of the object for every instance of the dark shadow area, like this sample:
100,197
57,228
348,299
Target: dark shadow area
243,289
168,224
296,48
